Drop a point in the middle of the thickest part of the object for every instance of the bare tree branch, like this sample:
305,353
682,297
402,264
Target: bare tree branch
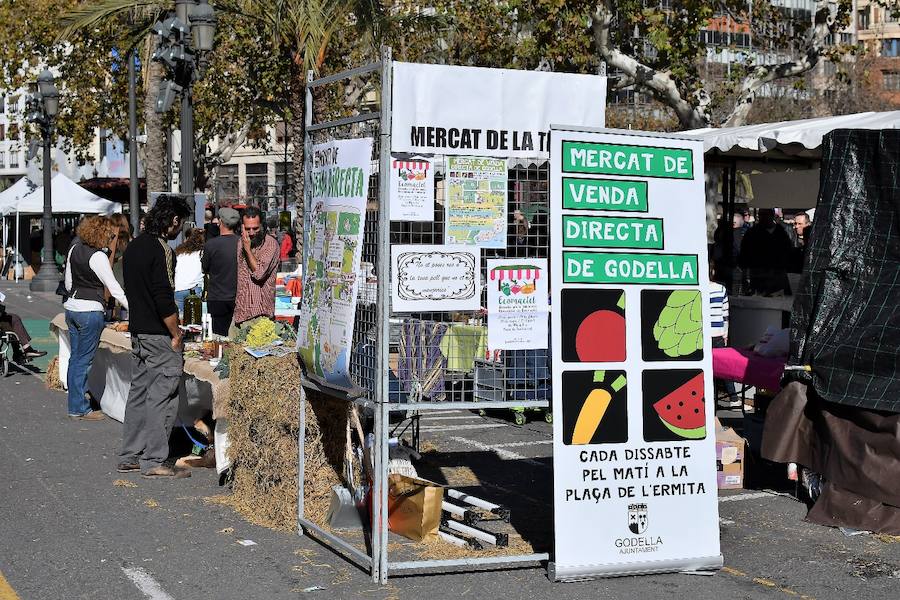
659,83
826,23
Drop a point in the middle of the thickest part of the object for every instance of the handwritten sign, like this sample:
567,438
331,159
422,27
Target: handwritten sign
435,278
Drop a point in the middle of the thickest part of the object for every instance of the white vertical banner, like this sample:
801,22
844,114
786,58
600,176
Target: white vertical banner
634,458
337,219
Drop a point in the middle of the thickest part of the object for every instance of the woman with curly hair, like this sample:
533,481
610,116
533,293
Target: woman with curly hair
188,268
88,275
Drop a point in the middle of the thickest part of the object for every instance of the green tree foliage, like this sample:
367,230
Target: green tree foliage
91,72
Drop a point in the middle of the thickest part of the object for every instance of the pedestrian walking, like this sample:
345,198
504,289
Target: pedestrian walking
157,363
88,275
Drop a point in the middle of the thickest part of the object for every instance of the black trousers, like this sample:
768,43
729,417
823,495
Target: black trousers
221,311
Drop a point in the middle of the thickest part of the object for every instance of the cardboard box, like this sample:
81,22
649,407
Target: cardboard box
730,458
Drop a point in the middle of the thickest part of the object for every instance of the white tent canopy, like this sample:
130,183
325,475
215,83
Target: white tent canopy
800,139
67,196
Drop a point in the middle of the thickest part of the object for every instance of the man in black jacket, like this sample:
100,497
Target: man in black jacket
157,364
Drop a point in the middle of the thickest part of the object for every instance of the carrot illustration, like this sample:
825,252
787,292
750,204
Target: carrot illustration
594,408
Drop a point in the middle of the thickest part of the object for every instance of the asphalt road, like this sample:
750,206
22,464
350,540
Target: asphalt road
71,527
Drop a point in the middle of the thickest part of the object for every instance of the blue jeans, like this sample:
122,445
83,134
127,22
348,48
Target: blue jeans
181,295
84,337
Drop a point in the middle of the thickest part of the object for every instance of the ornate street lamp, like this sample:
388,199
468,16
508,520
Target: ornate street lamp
183,51
203,26
42,110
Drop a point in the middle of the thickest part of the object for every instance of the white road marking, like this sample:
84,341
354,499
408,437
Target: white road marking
507,454
748,496
520,444
461,427
429,419
145,583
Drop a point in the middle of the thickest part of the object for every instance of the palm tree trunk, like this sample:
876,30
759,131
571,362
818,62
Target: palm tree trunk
155,152
297,101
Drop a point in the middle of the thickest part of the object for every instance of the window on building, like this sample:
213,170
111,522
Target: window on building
2,159
13,159
279,133
891,80
2,131
2,104
227,185
890,47
862,18
280,180
257,180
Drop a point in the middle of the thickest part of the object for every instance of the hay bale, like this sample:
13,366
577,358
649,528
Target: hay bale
263,429
326,453
52,377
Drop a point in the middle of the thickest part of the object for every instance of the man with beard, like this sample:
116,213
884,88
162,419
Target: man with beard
257,263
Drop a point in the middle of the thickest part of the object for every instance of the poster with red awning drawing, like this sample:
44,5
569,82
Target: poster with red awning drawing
412,188
518,303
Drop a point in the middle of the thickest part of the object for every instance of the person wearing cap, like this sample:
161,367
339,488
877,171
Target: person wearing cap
219,262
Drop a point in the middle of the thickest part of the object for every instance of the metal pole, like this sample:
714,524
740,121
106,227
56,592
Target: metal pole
133,183
47,278
380,543
285,167
186,184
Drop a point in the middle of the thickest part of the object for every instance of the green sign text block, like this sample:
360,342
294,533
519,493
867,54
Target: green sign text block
612,232
615,159
604,194
654,269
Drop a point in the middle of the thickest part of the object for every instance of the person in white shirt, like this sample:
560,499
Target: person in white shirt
718,326
188,267
88,274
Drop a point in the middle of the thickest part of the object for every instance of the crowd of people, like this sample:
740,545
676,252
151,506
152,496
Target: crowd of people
765,251
234,264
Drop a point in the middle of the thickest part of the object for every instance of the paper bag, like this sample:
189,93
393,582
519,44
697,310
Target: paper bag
414,506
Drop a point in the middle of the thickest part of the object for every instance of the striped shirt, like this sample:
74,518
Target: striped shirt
718,309
256,290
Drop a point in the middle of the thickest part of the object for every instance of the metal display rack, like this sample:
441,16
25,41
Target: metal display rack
381,337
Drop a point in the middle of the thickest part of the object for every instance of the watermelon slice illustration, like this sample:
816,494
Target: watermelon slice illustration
683,410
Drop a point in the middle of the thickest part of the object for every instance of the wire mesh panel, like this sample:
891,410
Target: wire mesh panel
347,108
445,356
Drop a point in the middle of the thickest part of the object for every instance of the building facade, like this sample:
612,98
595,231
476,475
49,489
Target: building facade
878,30
12,138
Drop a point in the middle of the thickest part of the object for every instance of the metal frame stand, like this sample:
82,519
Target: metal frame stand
378,563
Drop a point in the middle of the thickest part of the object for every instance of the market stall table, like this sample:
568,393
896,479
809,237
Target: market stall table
109,380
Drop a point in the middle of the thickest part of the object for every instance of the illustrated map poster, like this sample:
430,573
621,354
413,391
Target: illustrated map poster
339,185
634,459
430,278
412,189
517,303
476,201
